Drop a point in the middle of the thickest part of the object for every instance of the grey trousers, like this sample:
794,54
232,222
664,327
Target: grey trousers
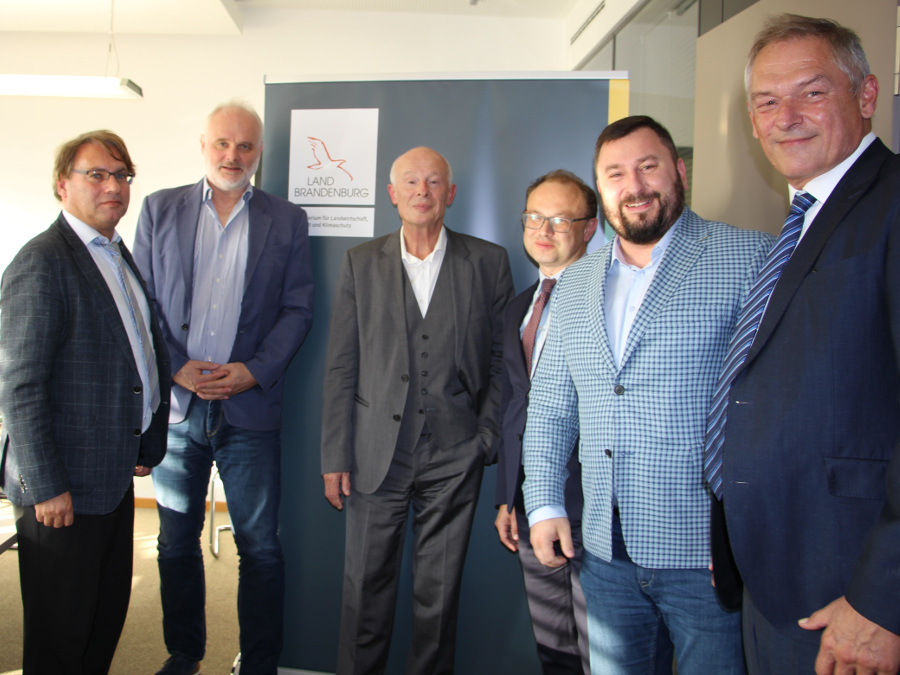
557,606
440,488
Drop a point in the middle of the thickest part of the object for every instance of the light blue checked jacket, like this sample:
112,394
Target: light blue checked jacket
641,425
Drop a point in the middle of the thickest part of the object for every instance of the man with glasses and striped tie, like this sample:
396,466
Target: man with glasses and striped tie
559,220
84,392
805,424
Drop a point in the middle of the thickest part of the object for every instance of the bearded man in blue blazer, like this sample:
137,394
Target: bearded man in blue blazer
638,335
810,478
228,266
84,394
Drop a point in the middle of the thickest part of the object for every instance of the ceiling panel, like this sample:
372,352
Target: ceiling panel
223,17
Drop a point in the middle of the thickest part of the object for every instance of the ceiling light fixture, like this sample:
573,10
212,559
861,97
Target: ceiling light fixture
79,86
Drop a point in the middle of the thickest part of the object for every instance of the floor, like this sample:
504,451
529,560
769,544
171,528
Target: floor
141,650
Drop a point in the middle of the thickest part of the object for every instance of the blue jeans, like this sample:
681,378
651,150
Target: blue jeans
638,616
249,465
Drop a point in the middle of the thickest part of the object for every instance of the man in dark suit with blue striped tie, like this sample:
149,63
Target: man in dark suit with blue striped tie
803,437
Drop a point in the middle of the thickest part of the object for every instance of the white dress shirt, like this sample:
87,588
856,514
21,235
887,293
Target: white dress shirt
423,274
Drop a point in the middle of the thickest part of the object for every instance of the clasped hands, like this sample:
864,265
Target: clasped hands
213,381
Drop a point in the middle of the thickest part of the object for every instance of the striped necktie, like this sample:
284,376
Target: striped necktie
530,333
145,342
747,325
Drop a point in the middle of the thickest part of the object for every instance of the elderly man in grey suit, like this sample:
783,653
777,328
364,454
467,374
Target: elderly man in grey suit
84,390
410,414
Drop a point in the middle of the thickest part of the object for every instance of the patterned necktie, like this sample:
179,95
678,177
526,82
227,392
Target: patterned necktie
747,325
145,342
531,328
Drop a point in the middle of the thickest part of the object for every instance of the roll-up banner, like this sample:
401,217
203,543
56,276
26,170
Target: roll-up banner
328,147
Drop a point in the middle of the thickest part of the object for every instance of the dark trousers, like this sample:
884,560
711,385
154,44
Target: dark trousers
770,652
557,606
76,583
441,487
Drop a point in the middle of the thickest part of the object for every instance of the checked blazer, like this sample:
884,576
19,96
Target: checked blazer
70,391
642,424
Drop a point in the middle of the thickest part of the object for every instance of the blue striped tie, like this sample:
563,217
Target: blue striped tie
747,325
145,342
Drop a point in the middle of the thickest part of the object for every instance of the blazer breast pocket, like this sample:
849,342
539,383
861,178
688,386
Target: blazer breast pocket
856,478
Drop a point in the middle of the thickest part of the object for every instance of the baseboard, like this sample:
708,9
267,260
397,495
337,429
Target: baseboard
150,503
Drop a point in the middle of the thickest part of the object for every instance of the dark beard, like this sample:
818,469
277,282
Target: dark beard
643,230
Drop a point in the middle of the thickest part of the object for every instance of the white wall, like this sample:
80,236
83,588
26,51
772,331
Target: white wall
184,77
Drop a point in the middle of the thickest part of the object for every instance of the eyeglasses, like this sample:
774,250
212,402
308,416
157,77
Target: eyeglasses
535,221
100,176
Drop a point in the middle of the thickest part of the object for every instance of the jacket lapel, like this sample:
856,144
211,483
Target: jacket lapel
85,264
517,311
390,277
685,247
259,225
456,264
596,304
187,216
833,212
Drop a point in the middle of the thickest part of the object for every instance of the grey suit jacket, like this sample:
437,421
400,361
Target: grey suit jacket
70,391
366,372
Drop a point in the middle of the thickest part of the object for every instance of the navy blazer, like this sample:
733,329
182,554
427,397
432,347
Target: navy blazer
516,383
276,309
811,468
70,391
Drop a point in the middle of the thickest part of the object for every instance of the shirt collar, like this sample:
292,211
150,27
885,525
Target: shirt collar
207,191
656,254
85,232
822,186
410,259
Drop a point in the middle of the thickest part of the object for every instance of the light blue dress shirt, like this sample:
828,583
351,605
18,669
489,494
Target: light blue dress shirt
626,288
87,234
220,264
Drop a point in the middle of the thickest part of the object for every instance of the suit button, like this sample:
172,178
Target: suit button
396,418
421,412
404,378
424,373
519,436
137,432
619,390
184,326
424,392
608,452
424,355
137,389
424,337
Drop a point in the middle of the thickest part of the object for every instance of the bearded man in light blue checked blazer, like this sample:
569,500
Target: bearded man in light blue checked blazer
640,332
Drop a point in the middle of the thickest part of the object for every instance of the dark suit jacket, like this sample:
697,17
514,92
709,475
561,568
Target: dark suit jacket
276,309
516,383
70,391
368,354
811,469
